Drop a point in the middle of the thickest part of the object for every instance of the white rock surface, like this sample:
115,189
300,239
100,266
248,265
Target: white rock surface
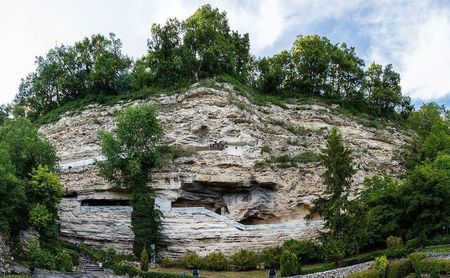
224,181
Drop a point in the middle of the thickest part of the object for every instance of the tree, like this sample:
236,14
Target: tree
289,265
94,65
131,153
20,138
12,195
342,217
425,198
202,46
381,201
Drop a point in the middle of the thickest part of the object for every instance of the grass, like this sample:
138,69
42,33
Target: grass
285,161
214,274
437,249
18,276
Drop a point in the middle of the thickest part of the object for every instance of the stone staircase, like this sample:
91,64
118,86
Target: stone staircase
88,265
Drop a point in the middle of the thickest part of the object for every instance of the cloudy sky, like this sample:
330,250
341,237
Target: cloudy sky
414,36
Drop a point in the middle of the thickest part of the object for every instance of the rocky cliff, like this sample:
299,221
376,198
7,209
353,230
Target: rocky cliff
246,180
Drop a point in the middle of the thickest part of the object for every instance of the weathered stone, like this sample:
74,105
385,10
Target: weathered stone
224,182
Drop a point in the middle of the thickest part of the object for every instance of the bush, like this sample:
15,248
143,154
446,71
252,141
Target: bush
289,264
380,264
191,260
270,257
397,252
144,260
394,241
428,265
414,243
167,262
121,269
215,261
370,273
63,261
399,269
110,257
244,260
39,258
416,258
306,251
74,255
159,275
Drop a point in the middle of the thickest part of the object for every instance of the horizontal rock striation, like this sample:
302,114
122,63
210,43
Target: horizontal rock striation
231,189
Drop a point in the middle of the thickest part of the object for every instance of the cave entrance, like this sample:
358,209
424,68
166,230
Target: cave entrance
105,203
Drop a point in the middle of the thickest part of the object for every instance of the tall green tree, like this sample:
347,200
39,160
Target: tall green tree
202,46
94,66
342,216
131,152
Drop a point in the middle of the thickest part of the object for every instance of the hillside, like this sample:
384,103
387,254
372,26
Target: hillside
246,177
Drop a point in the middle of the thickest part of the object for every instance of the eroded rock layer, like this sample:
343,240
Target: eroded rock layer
224,193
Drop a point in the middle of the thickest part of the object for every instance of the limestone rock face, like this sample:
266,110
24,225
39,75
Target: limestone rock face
224,195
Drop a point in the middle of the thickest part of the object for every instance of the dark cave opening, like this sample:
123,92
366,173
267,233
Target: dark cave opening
105,203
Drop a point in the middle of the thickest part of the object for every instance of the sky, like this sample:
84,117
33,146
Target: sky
413,36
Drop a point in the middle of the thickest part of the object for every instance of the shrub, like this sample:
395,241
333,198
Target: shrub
393,241
244,260
121,269
215,261
414,243
191,260
399,269
74,255
380,264
397,252
63,261
370,273
110,257
167,262
289,264
144,260
159,275
416,258
307,251
39,258
270,257
428,265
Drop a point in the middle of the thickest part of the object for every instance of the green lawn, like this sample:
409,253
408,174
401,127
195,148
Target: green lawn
439,249
221,274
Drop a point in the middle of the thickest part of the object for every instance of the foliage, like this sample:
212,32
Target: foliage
316,67
63,261
110,259
380,264
244,260
380,200
131,152
38,257
426,192
40,217
146,221
397,252
370,273
167,262
144,260
45,188
289,265
344,228
394,241
191,260
399,268
94,65
307,251
215,261
270,256
199,47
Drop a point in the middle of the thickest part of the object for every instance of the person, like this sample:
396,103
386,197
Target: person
196,272
272,273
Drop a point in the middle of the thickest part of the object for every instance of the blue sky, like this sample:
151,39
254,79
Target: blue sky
414,36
